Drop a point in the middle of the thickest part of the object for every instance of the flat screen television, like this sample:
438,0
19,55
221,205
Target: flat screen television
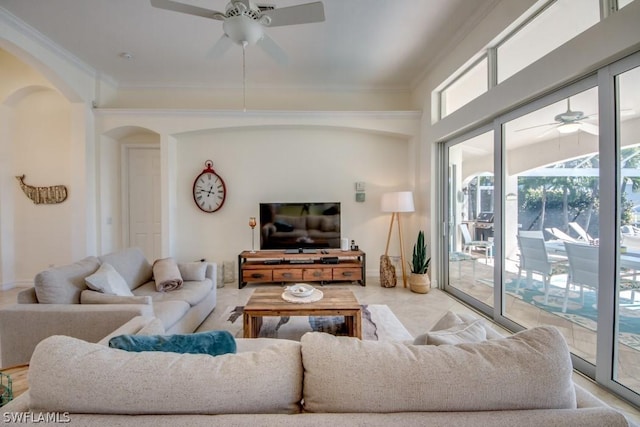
295,226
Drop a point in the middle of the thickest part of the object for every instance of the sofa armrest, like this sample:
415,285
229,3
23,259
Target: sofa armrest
139,325
23,326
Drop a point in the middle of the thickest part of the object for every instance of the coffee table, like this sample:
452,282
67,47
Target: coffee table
269,302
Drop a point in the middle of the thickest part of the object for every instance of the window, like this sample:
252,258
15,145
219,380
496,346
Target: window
552,25
558,23
468,86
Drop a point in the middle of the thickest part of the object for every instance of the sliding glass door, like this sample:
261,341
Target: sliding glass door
626,369
551,228
542,219
471,234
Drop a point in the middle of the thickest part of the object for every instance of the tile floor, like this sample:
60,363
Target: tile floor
418,312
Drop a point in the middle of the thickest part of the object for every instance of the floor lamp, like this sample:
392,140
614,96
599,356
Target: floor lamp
396,203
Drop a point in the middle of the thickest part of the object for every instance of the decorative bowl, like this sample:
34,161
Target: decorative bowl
300,290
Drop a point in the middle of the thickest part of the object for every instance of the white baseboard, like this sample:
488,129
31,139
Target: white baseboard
16,284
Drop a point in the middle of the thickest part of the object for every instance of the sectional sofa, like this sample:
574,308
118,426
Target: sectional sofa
61,303
522,380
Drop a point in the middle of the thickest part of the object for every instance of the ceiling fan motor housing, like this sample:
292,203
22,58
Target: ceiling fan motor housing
240,9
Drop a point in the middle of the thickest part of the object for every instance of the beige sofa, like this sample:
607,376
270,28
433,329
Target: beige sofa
61,304
522,380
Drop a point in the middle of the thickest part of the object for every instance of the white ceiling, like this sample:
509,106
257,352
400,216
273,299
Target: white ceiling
368,44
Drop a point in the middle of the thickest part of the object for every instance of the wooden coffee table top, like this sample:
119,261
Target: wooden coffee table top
269,300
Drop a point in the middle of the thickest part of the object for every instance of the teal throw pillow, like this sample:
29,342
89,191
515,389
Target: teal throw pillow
214,343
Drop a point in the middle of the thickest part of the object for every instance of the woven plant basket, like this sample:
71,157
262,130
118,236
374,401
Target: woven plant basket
419,283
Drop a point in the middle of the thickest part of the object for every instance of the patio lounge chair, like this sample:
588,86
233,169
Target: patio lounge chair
581,232
560,235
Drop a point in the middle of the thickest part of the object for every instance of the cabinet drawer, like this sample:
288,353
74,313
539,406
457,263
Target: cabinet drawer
312,274
256,275
347,274
285,275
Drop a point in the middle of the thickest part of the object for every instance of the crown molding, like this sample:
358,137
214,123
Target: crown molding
12,21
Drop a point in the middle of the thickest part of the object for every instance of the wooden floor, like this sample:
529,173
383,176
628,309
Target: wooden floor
19,381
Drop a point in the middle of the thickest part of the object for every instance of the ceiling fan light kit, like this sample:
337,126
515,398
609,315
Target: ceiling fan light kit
569,128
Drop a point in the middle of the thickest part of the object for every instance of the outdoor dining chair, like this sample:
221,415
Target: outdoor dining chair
583,269
535,259
468,243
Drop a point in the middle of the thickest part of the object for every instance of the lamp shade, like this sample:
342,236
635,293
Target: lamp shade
399,201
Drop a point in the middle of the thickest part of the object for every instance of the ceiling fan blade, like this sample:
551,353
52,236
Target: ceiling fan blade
175,6
548,131
220,47
273,49
292,15
536,126
589,128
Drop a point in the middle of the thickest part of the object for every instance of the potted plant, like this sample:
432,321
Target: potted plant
419,279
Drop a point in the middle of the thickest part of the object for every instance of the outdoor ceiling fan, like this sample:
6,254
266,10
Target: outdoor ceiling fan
568,122
244,22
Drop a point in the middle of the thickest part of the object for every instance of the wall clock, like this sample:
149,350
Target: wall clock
209,191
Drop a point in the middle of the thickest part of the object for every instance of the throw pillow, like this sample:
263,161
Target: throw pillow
108,281
213,343
467,332
451,319
195,271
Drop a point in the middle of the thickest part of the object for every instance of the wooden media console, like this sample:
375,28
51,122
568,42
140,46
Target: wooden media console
329,265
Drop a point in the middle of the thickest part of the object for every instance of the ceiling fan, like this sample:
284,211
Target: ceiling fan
568,122
244,22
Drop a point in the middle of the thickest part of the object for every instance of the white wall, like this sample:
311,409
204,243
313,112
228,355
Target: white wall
286,164
40,138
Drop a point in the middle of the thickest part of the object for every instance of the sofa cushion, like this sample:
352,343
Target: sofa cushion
191,292
529,370
131,264
213,343
62,285
108,281
67,374
195,271
169,312
93,297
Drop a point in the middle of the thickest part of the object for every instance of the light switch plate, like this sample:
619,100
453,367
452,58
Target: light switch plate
359,186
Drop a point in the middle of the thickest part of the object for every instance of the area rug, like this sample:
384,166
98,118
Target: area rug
378,324
585,315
